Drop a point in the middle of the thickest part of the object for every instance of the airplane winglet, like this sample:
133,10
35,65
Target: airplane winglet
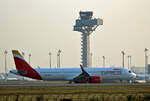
82,68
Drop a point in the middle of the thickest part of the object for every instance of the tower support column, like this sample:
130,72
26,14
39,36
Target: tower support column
88,51
84,49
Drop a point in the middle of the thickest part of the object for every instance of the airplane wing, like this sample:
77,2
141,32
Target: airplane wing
84,76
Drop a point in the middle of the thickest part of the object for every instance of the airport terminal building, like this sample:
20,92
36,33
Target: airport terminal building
140,70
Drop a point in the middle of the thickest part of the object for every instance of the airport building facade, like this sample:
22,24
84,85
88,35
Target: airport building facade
140,70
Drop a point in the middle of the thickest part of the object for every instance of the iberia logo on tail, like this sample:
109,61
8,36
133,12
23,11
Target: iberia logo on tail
23,67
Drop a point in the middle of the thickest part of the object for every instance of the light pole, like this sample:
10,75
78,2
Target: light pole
58,58
29,58
123,53
23,54
5,52
146,60
103,61
91,58
50,59
129,62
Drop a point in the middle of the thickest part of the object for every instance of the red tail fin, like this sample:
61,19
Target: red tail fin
23,67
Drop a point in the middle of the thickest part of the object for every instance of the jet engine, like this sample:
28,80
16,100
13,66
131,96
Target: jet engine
95,79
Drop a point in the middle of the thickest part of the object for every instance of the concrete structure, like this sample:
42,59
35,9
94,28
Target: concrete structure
6,74
146,60
140,73
86,25
138,70
148,68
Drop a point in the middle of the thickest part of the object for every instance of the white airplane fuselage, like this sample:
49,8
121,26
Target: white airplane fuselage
65,74
95,75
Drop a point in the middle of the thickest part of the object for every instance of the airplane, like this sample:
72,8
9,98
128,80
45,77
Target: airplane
76,75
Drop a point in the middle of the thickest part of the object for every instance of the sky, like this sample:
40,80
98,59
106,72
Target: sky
42,26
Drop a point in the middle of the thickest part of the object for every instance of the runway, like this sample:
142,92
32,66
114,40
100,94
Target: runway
64,84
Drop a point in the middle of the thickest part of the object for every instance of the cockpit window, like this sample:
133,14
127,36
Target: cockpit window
129,71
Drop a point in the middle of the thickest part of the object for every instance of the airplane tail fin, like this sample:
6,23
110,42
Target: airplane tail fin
23,67
20,63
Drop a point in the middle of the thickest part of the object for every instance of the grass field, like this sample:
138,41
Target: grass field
88,93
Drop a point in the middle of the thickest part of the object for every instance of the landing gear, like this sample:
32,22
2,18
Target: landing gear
130,81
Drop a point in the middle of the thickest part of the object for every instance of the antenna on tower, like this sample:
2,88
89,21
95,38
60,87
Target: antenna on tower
86,24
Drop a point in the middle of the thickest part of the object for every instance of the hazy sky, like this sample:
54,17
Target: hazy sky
42,26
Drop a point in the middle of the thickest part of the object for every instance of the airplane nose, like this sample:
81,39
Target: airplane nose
133,75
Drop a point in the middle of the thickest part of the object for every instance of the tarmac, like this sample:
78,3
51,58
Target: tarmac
62,84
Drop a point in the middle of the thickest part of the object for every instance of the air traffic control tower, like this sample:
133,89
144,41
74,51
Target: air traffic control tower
86,24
